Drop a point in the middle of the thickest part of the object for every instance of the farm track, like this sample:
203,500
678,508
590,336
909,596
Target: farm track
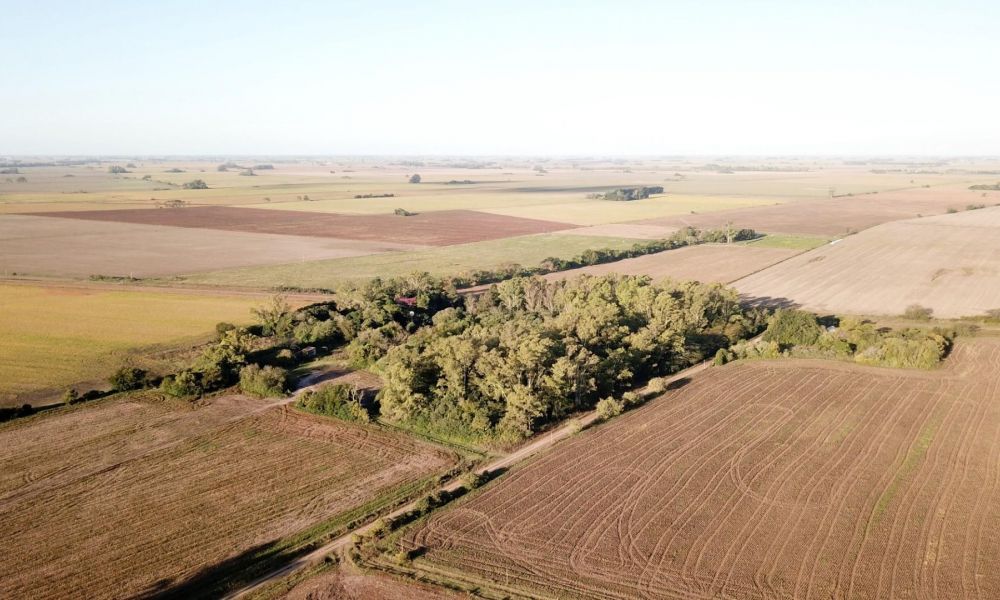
757,480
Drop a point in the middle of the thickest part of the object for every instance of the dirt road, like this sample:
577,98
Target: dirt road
506,461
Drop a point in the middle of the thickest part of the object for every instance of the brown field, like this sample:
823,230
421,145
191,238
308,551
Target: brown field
440,228
80,248
705,262
130,496
950,263
784,479
834,216
345,583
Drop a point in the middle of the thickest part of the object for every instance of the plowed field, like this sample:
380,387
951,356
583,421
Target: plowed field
793,479
130,497
441,228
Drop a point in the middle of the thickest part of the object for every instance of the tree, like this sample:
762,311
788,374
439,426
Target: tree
128,378
274,316
196,184
793,328
415,178
116,170
263,382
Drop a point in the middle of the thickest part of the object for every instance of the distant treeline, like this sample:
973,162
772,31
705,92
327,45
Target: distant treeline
374,195
986,187
626,194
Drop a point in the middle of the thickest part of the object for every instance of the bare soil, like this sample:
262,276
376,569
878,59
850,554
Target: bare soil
439,228
832,216
949,263
783,479
128,497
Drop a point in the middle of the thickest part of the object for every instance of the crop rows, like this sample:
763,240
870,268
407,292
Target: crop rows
164,511
757,480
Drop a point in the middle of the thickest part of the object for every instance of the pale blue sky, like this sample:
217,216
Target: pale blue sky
708,77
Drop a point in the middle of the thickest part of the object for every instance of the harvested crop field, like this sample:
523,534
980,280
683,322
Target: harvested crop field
783,479
832,216
345,583
142,495
71,247
705,262
624,230
949,263
440,228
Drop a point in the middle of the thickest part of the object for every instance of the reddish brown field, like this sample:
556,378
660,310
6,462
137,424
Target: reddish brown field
708,263
118,499
833,216
793,479
439,228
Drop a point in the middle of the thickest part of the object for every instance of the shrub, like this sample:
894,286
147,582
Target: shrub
196,184
70,396
116,170
608,408
402,212
336,400
182,385
414,178
263,382
918,312
222,327
128,378
656,385
793,328
473,480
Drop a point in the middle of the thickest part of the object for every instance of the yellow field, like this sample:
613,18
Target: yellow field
599,212
54,337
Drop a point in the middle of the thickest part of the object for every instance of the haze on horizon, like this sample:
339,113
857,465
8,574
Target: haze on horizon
603,78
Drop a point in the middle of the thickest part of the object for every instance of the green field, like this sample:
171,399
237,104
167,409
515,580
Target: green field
791,242
449,260
54,337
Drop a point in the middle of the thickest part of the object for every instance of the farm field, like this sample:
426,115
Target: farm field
450,260
761,479
160,494
836,216
705,262
440,228
949,263
345,583
84,333
55,246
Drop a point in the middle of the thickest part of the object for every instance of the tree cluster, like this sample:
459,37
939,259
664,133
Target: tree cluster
532,351
627,194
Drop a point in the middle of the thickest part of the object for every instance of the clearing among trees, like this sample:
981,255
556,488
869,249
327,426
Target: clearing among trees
949,263
787,479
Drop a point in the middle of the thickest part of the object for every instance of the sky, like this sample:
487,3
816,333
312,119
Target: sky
580,78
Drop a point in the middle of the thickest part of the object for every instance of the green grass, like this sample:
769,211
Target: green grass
55,337
790,242
450,260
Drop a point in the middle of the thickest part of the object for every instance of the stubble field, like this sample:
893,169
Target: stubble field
949,263
756,480
143,496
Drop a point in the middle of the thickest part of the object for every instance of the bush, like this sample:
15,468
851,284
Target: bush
918,312
793,328
70,396
336,400
116,170
608,408
222,327
182,385
128,378
402,212
197,184
263,382
414,178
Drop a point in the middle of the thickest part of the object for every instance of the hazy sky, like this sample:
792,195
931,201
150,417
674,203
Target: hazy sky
473,77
